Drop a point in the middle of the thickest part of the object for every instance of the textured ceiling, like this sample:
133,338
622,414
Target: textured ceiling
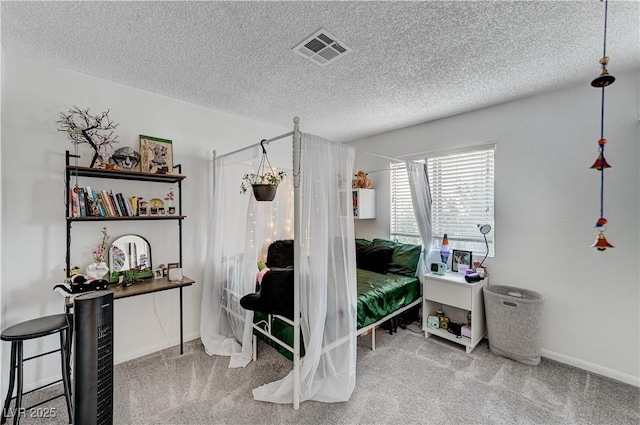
412,62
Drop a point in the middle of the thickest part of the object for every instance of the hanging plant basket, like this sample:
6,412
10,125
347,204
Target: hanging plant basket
264,192
263,183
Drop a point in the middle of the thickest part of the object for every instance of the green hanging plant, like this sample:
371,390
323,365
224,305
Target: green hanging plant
265,182
271,179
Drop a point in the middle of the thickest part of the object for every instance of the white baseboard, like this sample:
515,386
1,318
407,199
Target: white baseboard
28,386
143,351
600,370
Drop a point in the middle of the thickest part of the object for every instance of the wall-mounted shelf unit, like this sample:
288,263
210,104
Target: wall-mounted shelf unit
72,171
364,203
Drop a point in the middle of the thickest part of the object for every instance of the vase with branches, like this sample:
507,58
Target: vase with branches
94,130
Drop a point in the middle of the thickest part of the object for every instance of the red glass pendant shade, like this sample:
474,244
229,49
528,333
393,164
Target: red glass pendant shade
600,163
601,243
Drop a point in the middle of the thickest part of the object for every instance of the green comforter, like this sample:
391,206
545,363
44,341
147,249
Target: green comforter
378,296
382,294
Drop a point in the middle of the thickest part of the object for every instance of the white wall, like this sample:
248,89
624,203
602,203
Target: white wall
546,203
33,224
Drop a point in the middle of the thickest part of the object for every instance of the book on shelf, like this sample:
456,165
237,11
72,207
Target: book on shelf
134,205
106,199
83,205
92,203
103,204
121,204
88,201
127,204
101,210
114,202
74,204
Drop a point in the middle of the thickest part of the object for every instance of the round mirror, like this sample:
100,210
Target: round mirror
129,252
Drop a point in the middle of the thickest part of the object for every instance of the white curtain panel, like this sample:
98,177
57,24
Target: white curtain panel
325,241
239,233
421,199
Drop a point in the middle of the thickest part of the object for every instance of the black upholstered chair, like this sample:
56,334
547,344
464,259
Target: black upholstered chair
275,295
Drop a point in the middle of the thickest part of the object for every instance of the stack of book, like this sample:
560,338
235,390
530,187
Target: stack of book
85,202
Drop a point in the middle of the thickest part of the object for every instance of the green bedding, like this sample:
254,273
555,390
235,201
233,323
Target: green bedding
378,296
381,294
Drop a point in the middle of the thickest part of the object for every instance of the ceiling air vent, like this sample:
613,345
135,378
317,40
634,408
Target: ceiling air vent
321,48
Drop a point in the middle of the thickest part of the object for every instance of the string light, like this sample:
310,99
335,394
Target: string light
603,80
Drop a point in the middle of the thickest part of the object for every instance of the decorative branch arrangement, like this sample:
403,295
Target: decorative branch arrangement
94,130
100,253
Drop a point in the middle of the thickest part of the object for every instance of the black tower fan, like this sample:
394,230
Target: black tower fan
93,365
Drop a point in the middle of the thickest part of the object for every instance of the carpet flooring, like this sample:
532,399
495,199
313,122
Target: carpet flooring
408,379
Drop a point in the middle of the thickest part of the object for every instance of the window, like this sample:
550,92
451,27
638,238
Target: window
462,197
403,222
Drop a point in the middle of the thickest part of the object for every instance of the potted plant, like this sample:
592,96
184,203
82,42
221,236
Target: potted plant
265,182
264,185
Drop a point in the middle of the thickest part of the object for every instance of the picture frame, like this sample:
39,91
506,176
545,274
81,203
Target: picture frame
143,208
158,273
460,257
170,266
156,155
175,274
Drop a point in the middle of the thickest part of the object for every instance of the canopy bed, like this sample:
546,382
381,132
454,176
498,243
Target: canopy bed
324,311
387,286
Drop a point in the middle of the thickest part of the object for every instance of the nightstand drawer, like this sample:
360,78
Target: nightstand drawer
448,293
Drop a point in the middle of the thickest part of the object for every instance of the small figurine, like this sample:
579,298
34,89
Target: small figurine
362,180
171,209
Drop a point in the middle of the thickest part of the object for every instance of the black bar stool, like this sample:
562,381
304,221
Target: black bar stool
36,328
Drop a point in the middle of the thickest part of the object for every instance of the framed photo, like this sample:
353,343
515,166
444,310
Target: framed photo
156,155
143,208
460,258
157,273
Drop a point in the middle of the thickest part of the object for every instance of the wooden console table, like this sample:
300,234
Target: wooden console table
146,286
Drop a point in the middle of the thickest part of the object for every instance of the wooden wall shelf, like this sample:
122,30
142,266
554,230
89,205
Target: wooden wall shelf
123,175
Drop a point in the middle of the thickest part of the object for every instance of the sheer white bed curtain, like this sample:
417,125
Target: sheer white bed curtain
421,199
327,271
240,230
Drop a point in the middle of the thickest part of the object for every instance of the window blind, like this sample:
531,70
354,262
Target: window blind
462,194
462,197
403,221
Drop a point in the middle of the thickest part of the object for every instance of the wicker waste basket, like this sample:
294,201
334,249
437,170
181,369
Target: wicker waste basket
513,322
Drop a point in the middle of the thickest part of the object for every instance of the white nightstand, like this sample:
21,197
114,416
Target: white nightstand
452,294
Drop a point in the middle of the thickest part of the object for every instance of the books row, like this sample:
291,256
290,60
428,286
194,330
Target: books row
86,202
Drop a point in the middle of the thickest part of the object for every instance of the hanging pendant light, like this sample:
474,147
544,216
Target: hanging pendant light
602,81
